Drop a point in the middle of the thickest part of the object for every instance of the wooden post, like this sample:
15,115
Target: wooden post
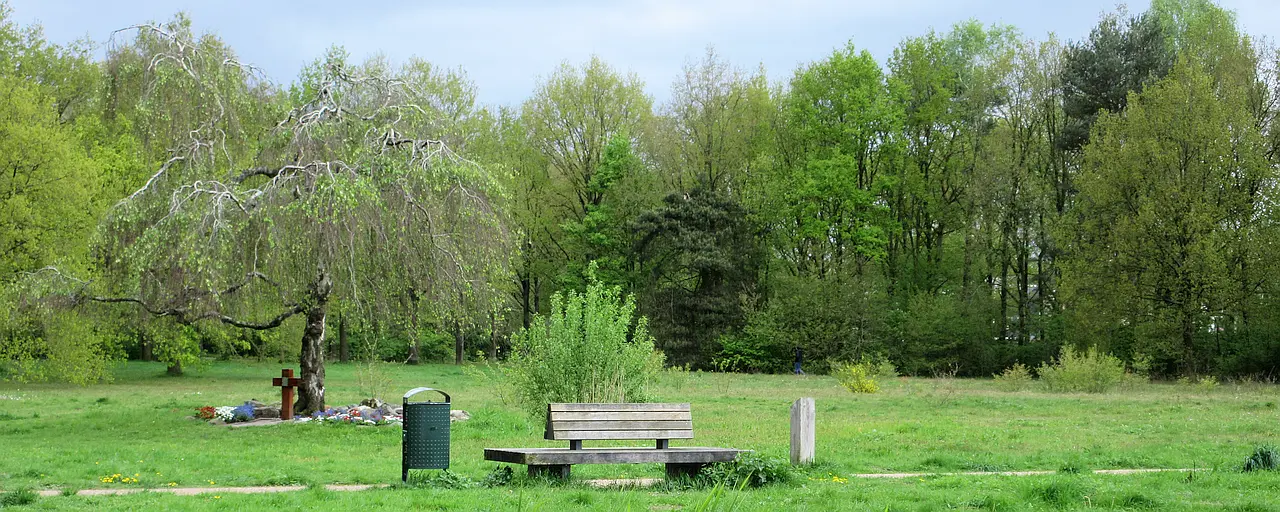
803,417
287,382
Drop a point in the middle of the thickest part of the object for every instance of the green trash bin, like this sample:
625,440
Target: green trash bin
425,438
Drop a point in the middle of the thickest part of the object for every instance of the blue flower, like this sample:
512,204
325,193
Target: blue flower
243,412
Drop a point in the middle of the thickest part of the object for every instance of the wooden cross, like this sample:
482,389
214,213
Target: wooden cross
286,383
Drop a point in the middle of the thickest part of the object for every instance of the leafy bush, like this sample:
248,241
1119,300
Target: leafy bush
881,368
749,469
1090,371
55,347
857,378
443,480
1014,378
1264,458
500,476
588,350
754,350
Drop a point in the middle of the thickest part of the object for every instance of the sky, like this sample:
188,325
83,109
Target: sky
508,47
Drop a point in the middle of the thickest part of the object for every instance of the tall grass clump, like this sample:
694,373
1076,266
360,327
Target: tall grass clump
18,498
1264,458
589,349
1090,371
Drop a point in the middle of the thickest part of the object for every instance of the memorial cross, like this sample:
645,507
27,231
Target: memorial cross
286,382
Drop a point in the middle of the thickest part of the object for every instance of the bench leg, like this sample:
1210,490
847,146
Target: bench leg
684,470
551,470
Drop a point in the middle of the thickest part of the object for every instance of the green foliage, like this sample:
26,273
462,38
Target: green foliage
1014,378
1090,371
1144,197
589,349
750,469
1203,383
1264,458
755,350
601,237
856,377
700,246
62,346
442,480
499,477
881,368
1061,492
18,497
175,344
48,208
978,199
1095,80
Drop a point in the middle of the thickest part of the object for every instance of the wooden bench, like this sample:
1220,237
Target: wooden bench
608,422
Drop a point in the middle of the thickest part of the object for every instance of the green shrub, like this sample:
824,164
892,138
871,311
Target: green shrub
1090,372
881,368
857,378
1264,458
587,350
749,469
751,352
58,347
1014,378
500,476
446,480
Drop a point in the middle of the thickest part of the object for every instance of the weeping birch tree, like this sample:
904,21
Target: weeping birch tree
350,197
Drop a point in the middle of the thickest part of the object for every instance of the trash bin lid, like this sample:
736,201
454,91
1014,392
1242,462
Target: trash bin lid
415,391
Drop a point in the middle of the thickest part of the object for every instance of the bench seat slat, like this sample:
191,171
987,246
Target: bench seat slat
622,425
602,435
618,407
610,455
622,416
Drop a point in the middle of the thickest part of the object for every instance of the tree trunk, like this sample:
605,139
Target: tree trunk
1004,300
146,350
311,362
414,357
493,337
344,346
175,369
526,302
459,344
1188,344
537,295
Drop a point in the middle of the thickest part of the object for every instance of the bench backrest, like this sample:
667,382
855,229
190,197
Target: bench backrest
578,422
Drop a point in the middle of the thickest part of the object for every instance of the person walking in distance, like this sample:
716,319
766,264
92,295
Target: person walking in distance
799,360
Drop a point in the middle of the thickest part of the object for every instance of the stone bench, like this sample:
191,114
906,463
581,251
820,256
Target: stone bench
612,422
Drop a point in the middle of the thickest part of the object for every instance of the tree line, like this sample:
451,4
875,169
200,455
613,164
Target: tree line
980,199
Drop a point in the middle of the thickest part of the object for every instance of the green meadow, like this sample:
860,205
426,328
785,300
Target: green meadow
69,438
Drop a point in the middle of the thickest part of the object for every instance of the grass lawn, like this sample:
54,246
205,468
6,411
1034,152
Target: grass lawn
56,436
